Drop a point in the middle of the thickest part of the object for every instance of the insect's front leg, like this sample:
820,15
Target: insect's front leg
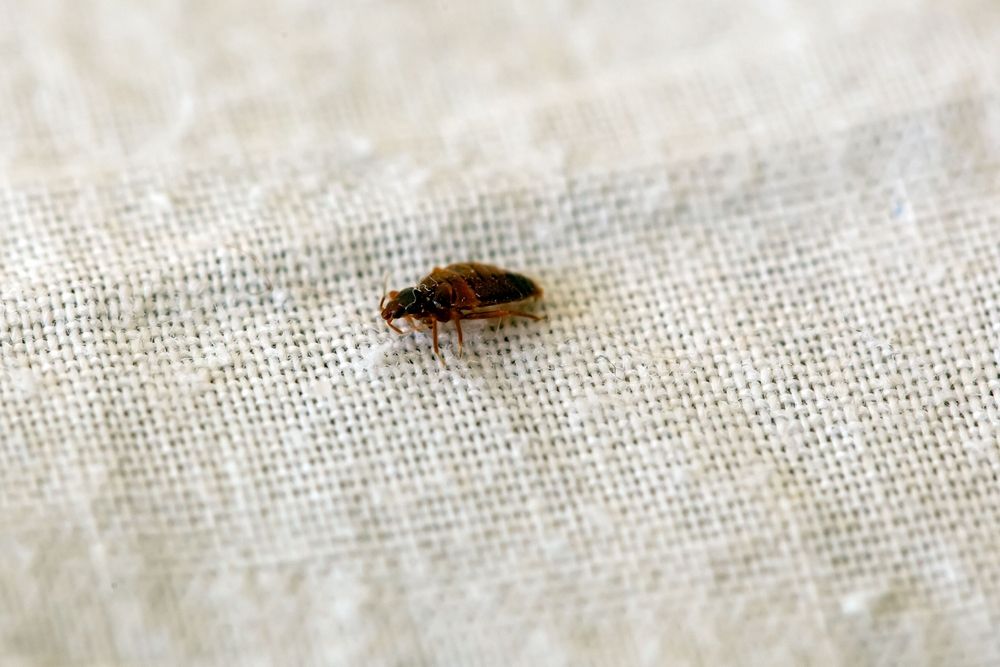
434,334
414,324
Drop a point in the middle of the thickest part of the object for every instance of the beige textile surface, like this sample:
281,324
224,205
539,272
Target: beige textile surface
759,425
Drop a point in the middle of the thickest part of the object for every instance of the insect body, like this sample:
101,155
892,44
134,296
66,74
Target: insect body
466,291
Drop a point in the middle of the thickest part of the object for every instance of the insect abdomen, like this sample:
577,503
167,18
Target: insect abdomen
493,285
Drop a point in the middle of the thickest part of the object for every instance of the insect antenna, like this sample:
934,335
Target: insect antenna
385,289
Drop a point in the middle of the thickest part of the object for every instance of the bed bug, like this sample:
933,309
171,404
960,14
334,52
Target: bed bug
466,291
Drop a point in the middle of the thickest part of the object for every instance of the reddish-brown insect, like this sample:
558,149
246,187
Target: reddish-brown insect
466,291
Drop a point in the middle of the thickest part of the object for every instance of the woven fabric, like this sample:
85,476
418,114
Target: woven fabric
760,423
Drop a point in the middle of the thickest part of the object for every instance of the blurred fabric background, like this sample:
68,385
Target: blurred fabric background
760,424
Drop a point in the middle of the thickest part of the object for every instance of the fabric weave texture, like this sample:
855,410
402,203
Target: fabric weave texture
760,423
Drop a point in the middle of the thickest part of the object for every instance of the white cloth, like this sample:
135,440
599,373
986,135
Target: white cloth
759,424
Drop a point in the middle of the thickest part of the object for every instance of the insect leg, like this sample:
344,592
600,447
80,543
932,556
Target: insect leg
489,314
434,331
394,327
414,326
458,327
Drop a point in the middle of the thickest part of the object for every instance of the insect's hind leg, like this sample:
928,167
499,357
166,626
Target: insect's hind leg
490,314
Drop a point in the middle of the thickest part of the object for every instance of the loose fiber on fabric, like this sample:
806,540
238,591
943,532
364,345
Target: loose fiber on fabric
759,424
